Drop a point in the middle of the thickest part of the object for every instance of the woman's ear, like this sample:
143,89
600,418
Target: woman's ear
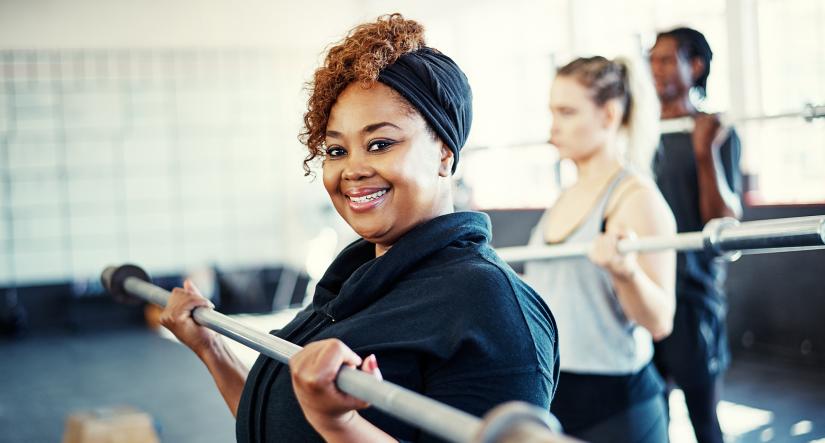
445,168
697,68
613,113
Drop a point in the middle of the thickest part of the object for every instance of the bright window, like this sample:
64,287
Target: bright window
785,157
769,60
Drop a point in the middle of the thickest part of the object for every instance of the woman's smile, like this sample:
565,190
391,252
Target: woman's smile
365,199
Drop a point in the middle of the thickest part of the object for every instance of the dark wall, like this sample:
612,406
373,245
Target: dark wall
777,301
512,227
84,306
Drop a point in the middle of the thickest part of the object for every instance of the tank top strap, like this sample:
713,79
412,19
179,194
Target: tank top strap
602,207
593,224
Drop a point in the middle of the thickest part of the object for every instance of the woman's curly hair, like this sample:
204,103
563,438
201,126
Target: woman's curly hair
360,56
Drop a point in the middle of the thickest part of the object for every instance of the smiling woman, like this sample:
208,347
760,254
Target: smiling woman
422,292
384,170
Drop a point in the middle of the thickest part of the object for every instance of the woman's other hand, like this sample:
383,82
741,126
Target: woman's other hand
314,370
177,318
605,253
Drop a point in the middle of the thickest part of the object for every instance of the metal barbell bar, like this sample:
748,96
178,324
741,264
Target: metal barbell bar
510,422
685,124
725,237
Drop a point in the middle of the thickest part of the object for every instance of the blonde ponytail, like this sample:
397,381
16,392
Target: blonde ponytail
642,121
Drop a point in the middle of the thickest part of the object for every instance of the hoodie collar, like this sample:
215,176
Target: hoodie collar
356,278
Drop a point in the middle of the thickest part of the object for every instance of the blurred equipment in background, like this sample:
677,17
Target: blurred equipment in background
119,424
13,318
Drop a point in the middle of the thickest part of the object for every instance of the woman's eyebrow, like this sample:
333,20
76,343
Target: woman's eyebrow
376,126
367,129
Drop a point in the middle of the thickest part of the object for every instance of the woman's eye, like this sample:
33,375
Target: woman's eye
379,145
335,151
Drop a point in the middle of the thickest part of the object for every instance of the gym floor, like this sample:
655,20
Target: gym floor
44,379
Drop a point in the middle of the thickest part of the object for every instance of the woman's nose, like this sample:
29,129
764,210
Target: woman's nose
357,167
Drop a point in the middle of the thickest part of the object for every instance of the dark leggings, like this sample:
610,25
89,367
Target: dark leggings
644,422
701,404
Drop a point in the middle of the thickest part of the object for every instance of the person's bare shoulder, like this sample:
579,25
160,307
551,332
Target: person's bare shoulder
638,205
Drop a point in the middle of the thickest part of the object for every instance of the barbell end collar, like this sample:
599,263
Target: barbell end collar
114,277
822,230
812,111
504,419
712,233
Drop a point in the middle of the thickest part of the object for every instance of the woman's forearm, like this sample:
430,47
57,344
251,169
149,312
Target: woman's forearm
715,197
645,302
353,428
227,370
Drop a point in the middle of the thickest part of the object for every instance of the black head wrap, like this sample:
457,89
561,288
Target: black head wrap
438,89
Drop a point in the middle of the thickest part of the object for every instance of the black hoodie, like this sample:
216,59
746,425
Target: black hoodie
442,313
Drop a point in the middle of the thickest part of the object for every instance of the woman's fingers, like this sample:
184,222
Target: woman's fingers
177,317
370,366
314,370
189,285
605,251
623,233
181,303
317,365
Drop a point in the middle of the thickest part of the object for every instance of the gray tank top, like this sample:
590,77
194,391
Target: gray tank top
595,336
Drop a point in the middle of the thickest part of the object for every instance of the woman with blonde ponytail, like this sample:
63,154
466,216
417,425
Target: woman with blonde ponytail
609,307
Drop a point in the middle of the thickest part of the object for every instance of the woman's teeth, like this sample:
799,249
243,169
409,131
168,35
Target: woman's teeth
369,197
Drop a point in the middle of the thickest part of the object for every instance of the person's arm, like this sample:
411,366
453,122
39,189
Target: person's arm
644,283
331,412
717,198
227,370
